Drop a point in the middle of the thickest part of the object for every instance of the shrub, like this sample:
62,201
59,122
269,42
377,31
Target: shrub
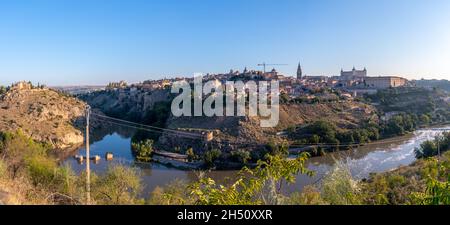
2,90
143,150
67,182
309,196
277,149
191,154
17,147
241,156
174,193
437,191
120,185
42,170
210,156
339,188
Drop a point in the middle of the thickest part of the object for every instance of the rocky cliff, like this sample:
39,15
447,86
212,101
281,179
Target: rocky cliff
126,104
43,114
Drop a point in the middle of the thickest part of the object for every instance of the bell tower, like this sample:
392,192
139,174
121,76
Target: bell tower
299,71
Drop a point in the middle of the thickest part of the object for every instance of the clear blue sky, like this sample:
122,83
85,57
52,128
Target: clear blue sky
93,41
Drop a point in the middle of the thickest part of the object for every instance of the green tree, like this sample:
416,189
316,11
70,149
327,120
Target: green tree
210,156
425,119
281,149
2,90
241,156
437,185
143,150
430,148
426,149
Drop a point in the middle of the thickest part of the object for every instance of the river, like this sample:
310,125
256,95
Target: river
379,156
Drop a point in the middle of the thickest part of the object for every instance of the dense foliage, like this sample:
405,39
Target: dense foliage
2,90
241,156
260,185
142,150
441,84
325,136
441,143
209,157
413,101
36,178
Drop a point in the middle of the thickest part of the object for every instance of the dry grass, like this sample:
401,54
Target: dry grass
20,192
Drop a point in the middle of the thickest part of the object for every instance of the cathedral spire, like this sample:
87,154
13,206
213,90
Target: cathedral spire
299,71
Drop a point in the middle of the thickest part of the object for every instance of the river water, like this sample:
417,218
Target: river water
379,156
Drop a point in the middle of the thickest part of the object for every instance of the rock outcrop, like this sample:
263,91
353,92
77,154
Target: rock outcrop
43,114
125,103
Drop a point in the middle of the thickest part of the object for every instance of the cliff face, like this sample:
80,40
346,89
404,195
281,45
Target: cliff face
44,115
126,104
135,105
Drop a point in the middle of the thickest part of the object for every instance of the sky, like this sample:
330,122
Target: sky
93,42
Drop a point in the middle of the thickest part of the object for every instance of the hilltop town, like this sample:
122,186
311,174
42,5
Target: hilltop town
344,111
342,101
353,83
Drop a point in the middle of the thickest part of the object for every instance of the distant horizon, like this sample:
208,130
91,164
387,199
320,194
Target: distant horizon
73,43
171,77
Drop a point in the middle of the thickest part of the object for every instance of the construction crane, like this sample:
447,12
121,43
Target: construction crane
265,64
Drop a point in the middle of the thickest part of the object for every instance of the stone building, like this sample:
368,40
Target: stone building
385,82
22,85
353,74
117,85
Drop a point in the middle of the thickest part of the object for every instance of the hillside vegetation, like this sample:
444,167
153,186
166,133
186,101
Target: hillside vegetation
441,84
30,175
418,101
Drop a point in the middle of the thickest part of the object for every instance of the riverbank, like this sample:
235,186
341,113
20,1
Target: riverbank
183,164
321,149
417,183
373,158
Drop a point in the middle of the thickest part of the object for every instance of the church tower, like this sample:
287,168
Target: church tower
299,71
